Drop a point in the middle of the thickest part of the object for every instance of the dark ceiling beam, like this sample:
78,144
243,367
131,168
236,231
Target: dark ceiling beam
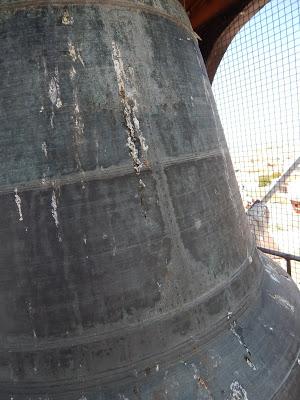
205,10
217,22
222,43
201,11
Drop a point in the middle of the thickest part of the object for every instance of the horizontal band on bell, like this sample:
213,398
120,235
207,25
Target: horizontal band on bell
45,344
100,174
19,5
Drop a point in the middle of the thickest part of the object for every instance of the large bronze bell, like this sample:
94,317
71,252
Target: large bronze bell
128,270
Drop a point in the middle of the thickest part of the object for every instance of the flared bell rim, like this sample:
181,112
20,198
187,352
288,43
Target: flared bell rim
255,356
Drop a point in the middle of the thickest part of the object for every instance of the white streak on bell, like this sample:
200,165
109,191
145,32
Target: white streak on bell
54,208
18,203
44,149
72,72
75,54
237,392
54,90
126,92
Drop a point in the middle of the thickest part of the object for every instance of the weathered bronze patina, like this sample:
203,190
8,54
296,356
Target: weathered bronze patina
127,269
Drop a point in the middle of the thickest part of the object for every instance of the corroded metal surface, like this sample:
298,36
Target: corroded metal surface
127,267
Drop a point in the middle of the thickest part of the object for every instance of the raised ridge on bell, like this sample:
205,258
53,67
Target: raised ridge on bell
128,270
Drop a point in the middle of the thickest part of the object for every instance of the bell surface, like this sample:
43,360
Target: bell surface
128,270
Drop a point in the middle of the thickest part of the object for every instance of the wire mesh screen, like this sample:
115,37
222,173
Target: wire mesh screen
257,90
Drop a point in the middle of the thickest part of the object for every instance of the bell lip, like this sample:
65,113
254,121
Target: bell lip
275,315
183,340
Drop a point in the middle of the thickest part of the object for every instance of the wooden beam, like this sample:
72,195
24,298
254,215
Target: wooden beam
201,11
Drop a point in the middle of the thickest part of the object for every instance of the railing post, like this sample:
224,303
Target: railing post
288,266
288,257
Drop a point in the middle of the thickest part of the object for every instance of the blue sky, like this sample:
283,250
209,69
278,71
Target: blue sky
257,85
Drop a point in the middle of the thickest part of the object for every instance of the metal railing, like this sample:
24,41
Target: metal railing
288,257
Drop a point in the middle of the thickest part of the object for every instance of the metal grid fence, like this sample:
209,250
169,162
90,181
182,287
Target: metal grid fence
257,90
